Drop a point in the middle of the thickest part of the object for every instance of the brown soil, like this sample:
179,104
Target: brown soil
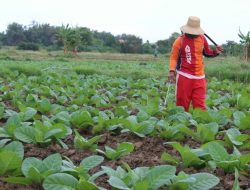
147,152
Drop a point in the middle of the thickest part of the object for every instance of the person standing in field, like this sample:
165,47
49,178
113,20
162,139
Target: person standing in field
186,65
156,51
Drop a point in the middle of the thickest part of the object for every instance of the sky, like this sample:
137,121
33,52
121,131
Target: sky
151,20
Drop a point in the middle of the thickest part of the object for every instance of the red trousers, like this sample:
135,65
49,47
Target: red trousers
191,90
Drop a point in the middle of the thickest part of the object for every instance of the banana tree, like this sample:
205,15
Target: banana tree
63,36
74,39
245,40
70,37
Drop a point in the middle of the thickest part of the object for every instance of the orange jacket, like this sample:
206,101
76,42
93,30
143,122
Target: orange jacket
187,55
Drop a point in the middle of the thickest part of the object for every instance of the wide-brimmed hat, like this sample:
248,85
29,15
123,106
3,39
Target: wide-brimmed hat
192,26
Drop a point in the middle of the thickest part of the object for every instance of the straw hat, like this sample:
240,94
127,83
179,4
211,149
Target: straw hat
192,26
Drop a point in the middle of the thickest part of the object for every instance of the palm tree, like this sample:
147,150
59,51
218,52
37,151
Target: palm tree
245,40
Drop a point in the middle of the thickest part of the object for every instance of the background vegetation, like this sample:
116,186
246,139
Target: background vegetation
77,39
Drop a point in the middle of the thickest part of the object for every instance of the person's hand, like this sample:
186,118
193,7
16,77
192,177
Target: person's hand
219,49
171,77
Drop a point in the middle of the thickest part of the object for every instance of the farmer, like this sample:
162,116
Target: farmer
186,65
156,51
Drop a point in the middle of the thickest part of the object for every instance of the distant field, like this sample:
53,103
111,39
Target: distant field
114,64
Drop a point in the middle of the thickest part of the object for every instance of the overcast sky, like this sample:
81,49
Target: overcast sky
149,19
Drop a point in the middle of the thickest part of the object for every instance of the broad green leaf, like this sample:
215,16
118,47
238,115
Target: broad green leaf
169,159
208,131
237,117
233,135
18,180
119,172
118,183
82,143
26,134
141,172
109,171
12,124
217,117
145,128
201,116
93,177
188,157
34,175
44,106
236,153
94,139
188,131
29,113
181,181
111,153
129,147
160,175
245,145
204,181
142,116
63,116
244,159
91,162
244,101
80,118
3,142
60,181
31,162
98,100
199,152
243,138
181,117
122,112
53,163
16,147
4,133
52,132
86,185
64,130
229,165
141,185
9,161
122,149
245,122
217,151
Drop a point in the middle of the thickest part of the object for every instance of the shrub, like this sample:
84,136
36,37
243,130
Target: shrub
28,46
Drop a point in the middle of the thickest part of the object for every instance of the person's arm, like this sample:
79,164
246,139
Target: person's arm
207,52
174,54
173,59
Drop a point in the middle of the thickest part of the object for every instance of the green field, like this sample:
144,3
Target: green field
125,65
96,121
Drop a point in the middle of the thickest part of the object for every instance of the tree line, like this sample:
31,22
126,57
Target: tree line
76,39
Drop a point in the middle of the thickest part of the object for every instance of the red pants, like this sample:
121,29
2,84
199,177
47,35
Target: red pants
191,90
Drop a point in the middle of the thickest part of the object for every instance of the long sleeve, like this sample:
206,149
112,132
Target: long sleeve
174,54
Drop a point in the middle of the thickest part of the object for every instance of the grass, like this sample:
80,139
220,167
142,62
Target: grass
228,68
113,64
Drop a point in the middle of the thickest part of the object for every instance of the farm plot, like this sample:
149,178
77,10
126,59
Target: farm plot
69,131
